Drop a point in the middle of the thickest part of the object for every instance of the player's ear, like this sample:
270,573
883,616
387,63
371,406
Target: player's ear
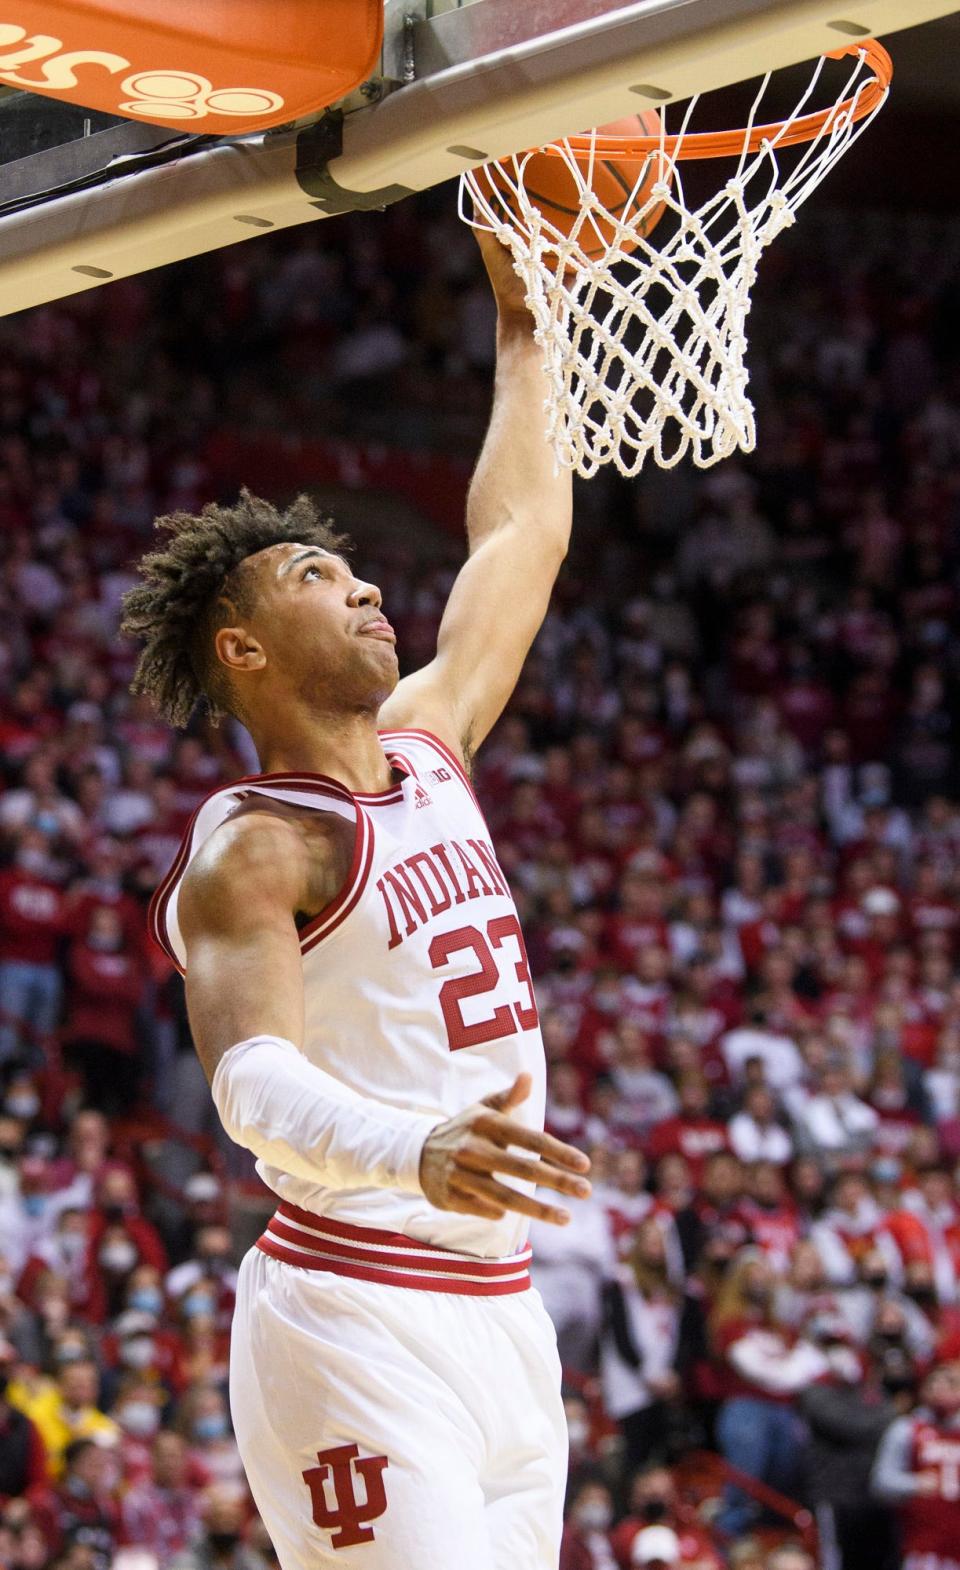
239,650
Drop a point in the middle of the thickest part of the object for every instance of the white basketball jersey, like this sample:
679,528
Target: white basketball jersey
416,983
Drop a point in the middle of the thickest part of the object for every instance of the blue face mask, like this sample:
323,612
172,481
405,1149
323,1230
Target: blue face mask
34,1204
147,1300
212,1426
197,1303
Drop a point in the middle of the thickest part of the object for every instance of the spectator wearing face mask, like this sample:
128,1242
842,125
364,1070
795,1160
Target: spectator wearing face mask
202,1417
209,1270
121,1239
79,1510
847,1413
917,1469
22,1100
63,1253
32,924
30,1215
136,1346
162,1513
652,1501
875,1308
137,1409
585,1544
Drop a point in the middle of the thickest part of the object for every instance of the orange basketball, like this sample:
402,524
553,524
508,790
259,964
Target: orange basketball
552,186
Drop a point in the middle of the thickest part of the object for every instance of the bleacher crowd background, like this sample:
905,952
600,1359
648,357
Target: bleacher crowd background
725,794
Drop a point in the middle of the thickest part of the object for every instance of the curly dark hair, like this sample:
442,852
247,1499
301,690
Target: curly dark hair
195,586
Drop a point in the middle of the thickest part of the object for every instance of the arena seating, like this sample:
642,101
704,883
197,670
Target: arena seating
725,796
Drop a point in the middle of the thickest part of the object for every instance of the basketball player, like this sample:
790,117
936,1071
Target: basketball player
360,999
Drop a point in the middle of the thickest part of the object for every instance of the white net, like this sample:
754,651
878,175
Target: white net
644,336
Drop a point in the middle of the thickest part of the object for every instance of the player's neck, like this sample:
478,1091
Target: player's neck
345,747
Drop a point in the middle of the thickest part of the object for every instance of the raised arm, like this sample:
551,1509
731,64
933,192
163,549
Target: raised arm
245,1005
518,528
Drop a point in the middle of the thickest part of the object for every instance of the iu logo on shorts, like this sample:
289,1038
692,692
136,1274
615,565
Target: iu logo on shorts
347,1521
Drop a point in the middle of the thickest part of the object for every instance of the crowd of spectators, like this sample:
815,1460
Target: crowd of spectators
725,796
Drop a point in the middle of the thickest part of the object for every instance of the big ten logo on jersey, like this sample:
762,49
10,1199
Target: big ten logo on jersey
348,1514
164,94
428,884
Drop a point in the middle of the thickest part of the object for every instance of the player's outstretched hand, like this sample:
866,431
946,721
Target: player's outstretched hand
462,1156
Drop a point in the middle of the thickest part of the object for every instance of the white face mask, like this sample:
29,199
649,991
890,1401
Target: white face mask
139,1418
578,1433
72,1246
118,1256
594,1515
22,1104
137,1352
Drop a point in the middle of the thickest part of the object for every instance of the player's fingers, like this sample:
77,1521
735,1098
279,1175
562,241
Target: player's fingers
509,1199
469,1202
503,1100
507,1131
481,1155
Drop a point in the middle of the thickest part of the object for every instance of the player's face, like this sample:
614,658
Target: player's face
324,628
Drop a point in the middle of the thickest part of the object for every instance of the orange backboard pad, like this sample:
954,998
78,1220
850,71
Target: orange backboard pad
217,67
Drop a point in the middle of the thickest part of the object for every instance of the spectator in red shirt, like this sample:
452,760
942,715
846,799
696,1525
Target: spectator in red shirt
32,919
692,1133
103,885
162,1513
120,1239
106,992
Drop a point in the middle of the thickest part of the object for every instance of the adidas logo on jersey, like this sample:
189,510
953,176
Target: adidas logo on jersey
421,799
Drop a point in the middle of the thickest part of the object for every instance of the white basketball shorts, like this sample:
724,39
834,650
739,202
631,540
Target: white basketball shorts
393,1426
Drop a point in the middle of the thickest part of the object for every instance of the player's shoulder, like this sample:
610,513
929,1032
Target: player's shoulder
260,852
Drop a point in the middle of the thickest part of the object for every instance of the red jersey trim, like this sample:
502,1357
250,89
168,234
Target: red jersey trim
322,784
446,753
297,1237
339,909
157,909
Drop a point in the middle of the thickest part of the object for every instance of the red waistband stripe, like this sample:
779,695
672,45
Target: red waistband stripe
297,1237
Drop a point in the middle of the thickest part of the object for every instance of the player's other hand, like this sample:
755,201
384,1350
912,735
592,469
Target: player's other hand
464,1158
510,290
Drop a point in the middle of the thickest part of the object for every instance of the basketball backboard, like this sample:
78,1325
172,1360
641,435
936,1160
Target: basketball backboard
88,196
